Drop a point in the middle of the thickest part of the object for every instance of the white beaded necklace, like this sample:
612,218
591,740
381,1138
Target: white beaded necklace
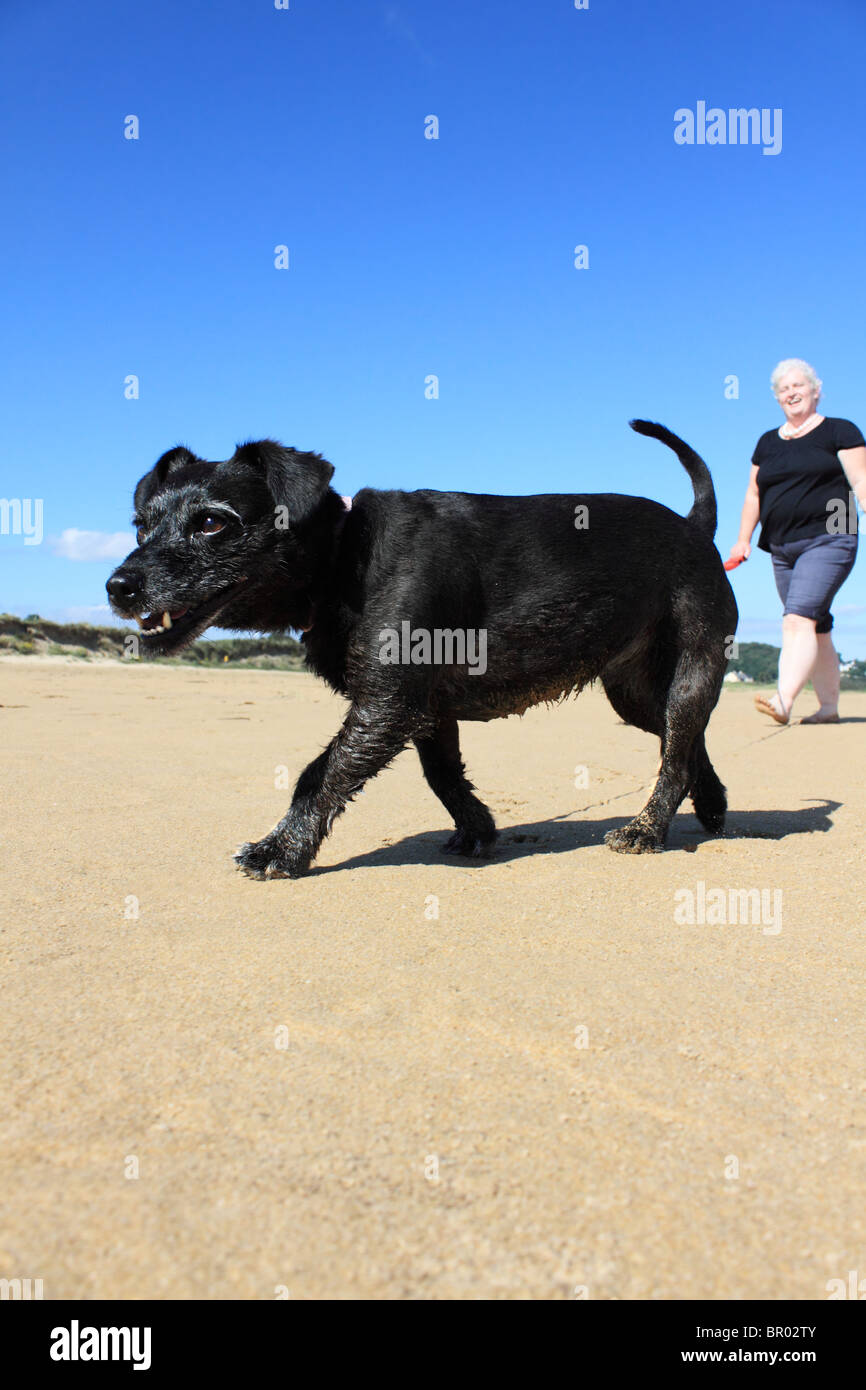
792,431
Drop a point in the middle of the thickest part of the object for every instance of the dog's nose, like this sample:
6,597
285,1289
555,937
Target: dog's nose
122,588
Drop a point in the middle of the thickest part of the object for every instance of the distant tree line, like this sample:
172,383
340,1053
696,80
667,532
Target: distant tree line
35,636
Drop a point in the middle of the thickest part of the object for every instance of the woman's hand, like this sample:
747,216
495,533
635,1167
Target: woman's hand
740,550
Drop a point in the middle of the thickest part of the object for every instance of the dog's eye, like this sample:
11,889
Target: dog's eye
140,535
210,525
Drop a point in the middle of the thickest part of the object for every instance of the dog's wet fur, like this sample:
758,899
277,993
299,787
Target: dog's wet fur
626,592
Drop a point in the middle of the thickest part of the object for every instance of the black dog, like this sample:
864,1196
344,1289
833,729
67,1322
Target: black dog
424,608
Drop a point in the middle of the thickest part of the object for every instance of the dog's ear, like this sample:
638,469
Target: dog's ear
295,480
171,462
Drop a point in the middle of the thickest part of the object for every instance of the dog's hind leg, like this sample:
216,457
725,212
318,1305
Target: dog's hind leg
690,699
370,737
707,793
439,752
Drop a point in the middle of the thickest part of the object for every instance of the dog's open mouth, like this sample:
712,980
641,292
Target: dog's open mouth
151,623
169,630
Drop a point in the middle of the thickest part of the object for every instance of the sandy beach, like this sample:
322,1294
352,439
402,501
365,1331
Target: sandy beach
408,1077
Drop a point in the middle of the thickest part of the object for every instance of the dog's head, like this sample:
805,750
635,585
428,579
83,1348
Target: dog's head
232,541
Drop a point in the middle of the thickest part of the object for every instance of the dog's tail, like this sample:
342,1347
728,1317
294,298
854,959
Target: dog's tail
703,513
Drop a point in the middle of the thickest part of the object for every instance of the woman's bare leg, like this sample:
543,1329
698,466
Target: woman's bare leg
800,652
826,676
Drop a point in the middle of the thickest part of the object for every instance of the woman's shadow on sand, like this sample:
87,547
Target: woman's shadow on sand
561,836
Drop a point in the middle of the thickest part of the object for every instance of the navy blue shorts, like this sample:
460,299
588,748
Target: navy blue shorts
809,572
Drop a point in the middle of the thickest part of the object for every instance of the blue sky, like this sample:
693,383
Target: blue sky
411,257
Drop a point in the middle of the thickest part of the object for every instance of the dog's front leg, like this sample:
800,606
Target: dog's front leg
370,737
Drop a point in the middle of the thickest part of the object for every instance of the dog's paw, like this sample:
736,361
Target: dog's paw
469,844
635,838
711,812
712,820
269,858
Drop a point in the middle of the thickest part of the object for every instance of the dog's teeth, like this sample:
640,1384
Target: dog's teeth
166,619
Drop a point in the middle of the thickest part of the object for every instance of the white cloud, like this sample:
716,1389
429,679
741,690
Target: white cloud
73,544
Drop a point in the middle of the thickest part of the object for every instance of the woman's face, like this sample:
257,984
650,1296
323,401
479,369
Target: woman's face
796,395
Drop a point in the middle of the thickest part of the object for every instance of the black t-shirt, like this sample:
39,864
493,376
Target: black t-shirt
798,477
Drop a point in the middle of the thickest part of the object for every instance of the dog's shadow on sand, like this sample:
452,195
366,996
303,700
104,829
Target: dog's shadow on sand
561,836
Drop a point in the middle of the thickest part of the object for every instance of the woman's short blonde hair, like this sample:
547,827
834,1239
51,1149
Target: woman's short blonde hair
794,364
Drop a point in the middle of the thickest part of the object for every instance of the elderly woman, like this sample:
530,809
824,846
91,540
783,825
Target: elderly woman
799,491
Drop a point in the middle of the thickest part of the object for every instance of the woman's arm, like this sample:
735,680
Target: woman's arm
854,463
742,549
